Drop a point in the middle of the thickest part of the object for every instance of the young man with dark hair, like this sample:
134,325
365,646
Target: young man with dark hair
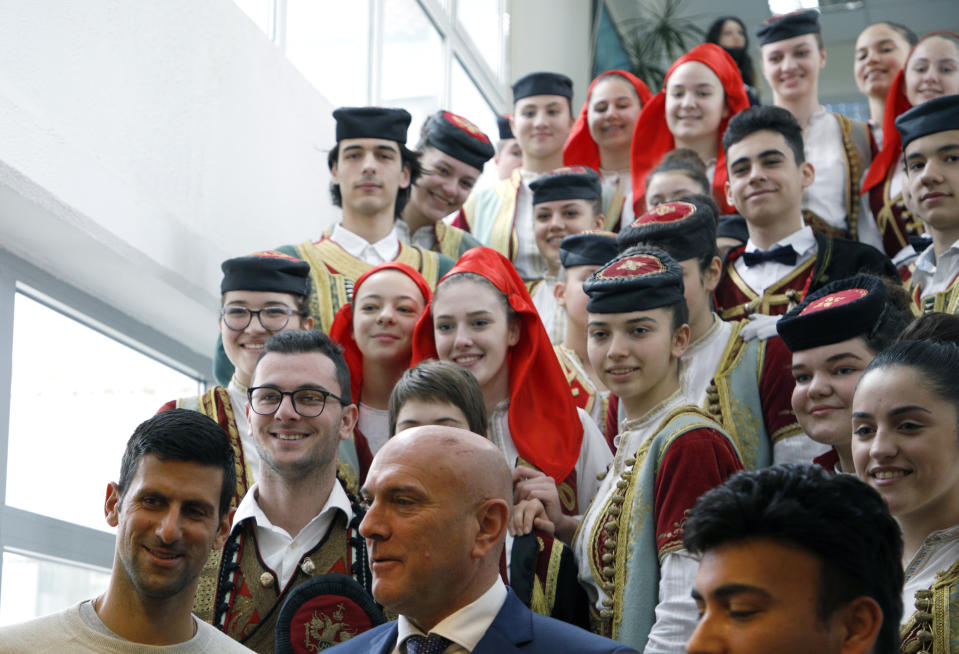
930,142
452,153
837,147
170,507
794,559
501,216
783,259
296,524
371,170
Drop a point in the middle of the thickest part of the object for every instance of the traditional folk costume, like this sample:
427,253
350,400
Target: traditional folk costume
567,183
856,306
270,271
652,138
779,279
840,150
884,180
581,150
930,596
934,285
501,216
539,424
243,585
456,137
369,441
629,543
744,384
594,249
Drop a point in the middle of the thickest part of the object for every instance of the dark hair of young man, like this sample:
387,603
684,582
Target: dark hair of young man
181,435
836,518
765,117
407,158
304,342
442,382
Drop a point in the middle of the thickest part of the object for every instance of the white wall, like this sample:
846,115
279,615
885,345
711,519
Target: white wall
143,142
555,36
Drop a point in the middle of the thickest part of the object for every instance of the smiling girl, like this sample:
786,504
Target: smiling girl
905,424
602,136
702,91
482,319
376,331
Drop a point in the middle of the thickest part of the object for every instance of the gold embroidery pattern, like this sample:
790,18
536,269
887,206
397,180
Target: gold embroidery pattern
322,632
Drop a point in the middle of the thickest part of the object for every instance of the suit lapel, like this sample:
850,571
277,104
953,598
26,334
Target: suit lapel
512,627
384,641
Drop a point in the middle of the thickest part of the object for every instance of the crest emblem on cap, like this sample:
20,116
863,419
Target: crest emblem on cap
466,126
669,212
637,265
835,300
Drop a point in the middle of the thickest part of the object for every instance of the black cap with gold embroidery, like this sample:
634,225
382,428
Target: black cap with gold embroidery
787,26
542,84
686,229
638,280
840,310
268,270
930,117
459,138
372,123
589,248
505,130
569,183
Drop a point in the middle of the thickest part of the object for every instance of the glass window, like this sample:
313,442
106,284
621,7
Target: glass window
467,101
412,64
329,43
260,12
35,586
76,397
480,21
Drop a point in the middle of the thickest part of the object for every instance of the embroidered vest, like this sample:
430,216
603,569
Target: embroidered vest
491,215
934,627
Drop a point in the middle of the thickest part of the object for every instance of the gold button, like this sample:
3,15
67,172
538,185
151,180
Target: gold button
266,579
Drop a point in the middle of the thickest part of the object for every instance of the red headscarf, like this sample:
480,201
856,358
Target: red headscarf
896,104
580,148
543,420
341,330
652,138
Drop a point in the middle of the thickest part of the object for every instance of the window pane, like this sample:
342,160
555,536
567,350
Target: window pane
76,397
412,75
480,19
329,43
260,12
467,101
33,587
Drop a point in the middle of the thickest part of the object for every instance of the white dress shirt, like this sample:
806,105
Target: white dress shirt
465,627
699,363
238,401
826,196
375,426
935,274
374,254
280,551
763,275
528,260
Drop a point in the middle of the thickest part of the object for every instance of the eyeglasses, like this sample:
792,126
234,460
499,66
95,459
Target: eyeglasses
308,402
273,319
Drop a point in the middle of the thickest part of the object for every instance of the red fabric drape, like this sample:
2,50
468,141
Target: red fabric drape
543,420
652,138
341,330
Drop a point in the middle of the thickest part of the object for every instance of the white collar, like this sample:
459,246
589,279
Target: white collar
249,507
802,241
386,248
927,261
467,626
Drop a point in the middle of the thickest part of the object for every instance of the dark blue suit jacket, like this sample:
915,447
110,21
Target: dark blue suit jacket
515,629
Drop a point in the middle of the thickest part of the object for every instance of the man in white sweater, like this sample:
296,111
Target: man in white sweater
170,507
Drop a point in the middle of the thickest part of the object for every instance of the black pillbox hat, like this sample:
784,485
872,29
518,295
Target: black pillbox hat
266,271
542,84
569,183
685,229
372,123
505,131
459,138
787,26
637,280
936,115
589,248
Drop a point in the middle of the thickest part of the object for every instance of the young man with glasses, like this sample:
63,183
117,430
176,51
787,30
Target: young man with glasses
261,294
297,522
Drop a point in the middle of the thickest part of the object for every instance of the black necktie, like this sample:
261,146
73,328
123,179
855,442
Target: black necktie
783,254
432,644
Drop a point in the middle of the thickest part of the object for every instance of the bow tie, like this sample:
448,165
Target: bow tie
920,243
783,254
